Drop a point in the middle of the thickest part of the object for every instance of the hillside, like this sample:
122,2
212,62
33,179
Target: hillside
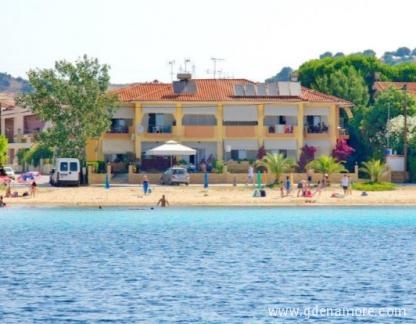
10,84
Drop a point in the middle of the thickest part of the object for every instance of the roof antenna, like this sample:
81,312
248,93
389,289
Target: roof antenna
171,63
215,60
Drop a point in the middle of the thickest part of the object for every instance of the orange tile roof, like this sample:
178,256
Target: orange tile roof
383,86
213,90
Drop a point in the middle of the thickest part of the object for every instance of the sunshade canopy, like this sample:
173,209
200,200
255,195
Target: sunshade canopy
171,148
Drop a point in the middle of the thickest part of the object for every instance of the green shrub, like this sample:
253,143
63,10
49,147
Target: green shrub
373,186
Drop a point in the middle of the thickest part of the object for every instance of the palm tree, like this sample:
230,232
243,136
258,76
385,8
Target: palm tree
276,164
326,165
375,169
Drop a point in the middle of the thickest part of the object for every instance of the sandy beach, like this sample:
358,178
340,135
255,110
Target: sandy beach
196,195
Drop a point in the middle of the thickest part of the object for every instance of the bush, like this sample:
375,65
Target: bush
373,186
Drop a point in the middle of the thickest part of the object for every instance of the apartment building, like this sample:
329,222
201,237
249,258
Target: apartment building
221,118
20,126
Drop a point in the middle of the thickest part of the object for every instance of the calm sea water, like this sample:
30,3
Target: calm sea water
217,265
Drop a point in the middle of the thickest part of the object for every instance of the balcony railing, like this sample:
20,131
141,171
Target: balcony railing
281,130
199,131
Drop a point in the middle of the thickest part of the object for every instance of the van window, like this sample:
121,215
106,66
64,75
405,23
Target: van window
73,166
64,166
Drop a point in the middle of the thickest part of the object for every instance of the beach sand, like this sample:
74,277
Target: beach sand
196,195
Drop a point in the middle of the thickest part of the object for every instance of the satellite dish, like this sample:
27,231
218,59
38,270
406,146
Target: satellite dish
140,128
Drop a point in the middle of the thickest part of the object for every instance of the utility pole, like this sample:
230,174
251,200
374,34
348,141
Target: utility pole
405,144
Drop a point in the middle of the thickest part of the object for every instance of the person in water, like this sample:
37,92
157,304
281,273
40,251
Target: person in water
163,202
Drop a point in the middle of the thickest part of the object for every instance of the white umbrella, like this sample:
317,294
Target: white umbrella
171,148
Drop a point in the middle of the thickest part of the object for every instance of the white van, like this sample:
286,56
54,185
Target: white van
66,171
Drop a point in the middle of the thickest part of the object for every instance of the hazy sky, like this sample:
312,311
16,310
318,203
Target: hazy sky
255,39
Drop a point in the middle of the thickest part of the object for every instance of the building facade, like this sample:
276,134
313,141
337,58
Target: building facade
222,119
20,126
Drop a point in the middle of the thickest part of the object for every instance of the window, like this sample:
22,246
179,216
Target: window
120,125
73,166
64,166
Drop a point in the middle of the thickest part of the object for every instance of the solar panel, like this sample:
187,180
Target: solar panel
250,90
295,88
272,89
283,88
261,89
239,90
184,87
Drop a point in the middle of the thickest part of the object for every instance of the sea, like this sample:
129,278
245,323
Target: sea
208,265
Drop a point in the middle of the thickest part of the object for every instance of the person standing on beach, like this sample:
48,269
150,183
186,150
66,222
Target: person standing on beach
345,183
163,202
250,175
33,187
145,184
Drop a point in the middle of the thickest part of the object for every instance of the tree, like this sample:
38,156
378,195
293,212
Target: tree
261,152
375,169
307,155
3,149
342,151
276,164
285,74
346,83
369,52
326,54
326,164
73,98
388,104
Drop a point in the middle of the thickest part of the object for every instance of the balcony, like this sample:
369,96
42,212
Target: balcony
240,131
316,131
283,131
119,133
199,131
159,131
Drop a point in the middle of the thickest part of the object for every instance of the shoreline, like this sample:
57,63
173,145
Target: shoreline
196,196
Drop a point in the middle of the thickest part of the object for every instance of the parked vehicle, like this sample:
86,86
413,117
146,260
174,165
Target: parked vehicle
66,171
175,175
10,172
4,178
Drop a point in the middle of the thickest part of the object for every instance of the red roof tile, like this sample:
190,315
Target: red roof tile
214,90
383,86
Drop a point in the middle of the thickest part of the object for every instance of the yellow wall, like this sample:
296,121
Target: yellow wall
94,147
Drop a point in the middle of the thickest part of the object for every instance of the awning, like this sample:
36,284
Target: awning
240,113
280,144
272,110
241,144
324,111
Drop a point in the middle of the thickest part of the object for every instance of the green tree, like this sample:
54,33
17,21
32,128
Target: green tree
375,169
276,164
388,104
73,98
4,143
36,153
285,74
326,164
345,83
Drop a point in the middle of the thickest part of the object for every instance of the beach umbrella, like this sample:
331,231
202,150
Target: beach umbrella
171,148
206,180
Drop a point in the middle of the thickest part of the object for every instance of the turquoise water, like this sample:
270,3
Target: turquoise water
217,265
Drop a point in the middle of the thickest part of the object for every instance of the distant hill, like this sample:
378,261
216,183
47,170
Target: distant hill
10,84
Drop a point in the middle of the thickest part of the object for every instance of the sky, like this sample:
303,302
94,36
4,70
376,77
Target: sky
235,38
